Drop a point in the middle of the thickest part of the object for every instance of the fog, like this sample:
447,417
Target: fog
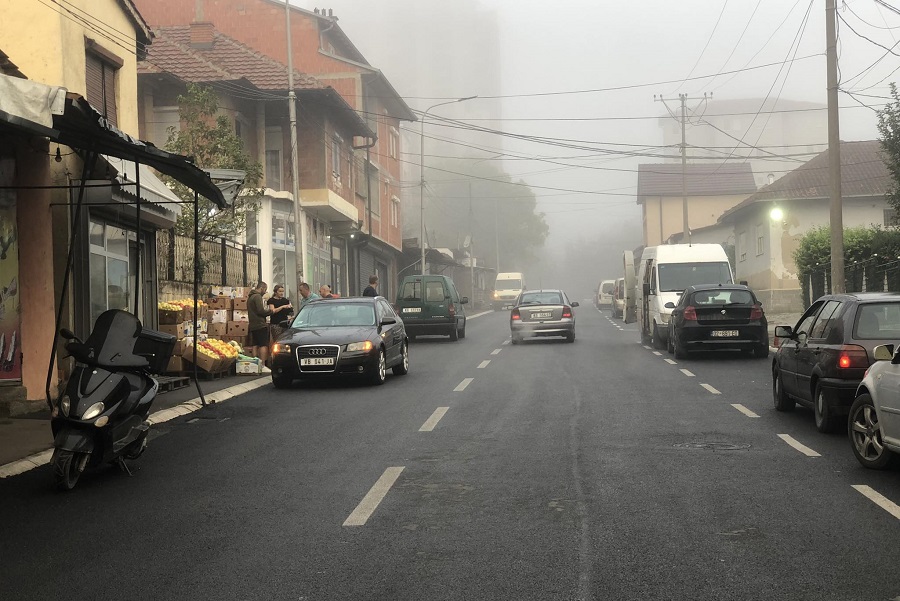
577,73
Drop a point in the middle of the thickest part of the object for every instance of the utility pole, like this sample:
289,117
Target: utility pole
834,151
295,168
471,244
497,230
683,98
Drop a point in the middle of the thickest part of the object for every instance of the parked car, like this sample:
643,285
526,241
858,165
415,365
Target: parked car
341,337
874,424
618,307
822,359
604,298
430,304
542,313
713,317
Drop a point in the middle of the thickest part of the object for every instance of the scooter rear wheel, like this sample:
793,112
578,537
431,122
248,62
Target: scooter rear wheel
67,468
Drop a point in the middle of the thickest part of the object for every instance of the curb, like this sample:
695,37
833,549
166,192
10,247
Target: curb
38,459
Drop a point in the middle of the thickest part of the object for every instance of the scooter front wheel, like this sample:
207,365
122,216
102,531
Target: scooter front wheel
67,468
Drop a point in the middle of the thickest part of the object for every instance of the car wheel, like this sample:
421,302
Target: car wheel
282,381
657,339
570,337
761,351
780,398
454,333
826,420
678,348
515,340
380,372
462,332
670,344
866,437
402,368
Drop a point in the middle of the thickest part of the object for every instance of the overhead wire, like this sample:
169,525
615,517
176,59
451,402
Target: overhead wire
705,46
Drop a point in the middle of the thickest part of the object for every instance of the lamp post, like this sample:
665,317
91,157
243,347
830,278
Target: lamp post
422,170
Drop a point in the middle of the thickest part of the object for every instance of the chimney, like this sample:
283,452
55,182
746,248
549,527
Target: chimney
330,13
202,35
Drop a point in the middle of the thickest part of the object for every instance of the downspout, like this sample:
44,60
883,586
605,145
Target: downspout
367,148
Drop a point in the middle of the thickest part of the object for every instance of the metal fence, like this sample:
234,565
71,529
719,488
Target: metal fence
871,275
222,262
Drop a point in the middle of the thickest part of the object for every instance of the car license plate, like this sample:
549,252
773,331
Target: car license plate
412,309
318,361
541,315
724,333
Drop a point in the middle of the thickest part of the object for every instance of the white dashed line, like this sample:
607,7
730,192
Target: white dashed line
797,445
429,425
743,410
710,388
478,314
496,351
879,499
657,353
671,361
484,364
687,373
373,498
505,342
647,347
463,384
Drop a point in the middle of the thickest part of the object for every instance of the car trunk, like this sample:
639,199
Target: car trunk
724,316
532,313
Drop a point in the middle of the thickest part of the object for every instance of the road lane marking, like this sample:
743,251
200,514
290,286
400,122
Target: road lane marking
687,373
657,353
373,498
879,499
671,361
484,364
462,385
743,410
709,388
797,445
478,314
496,351
647,347
505,342
432,421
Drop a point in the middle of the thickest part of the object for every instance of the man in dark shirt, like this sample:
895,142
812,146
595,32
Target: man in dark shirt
371,289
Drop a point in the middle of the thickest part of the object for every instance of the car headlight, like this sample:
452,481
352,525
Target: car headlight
281,348
496,294
65,403
93,411
360,346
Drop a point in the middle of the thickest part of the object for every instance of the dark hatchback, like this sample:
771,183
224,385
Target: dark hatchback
343,337
823,358
723,316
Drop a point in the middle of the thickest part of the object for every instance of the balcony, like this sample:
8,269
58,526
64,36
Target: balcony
325,205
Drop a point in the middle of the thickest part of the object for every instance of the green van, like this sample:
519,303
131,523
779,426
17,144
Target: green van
430,304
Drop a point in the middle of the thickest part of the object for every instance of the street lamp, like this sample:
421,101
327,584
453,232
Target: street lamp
422,169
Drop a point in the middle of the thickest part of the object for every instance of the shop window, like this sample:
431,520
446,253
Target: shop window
111,265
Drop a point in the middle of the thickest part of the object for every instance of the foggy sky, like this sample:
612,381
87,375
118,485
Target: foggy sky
571,46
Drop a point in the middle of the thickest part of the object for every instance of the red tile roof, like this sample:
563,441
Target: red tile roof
863,173
664,179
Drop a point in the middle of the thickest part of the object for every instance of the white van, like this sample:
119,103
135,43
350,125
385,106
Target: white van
663,274
605,291
507,289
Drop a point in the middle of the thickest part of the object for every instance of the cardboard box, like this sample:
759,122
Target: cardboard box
240,316
239,304
246,368
169,318
176,365
219,316
218,329
204,362
187,313
238,328
241,292
187,329
242,340
219,302
223,291
173,330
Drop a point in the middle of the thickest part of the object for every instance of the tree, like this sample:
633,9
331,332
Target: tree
889,128
211,141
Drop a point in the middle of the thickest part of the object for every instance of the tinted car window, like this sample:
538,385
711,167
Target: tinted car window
674,277
434,292
325,314
825,320
722,297
607,288
385,310
412,291
877,321
541,298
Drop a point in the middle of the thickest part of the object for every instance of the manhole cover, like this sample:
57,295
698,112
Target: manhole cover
713,446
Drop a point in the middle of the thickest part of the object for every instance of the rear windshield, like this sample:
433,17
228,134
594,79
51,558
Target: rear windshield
722,297
607,288
541,298
325,314
878,321
508,285
675,277
412,291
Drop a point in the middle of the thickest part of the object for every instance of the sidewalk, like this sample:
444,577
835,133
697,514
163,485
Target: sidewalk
26,435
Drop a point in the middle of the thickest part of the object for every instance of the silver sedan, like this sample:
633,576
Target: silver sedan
874,423
542,313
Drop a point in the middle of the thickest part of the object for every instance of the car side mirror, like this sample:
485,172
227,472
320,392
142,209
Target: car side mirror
387,321
669,305
744,283
646,289
464,300
883,352
784,332
574,304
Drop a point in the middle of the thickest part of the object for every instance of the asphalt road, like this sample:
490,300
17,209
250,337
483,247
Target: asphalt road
593,470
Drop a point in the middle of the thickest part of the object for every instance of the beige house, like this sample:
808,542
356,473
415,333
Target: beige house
711,190
765,242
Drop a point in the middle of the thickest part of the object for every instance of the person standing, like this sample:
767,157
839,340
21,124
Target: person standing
372,288
258,327
278,300
325,291
307,294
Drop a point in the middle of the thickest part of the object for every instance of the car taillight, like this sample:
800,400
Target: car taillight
853,356
756,312
690,313
452,310
515,315
567,312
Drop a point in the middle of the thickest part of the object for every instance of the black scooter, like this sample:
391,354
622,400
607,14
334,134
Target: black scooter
101,415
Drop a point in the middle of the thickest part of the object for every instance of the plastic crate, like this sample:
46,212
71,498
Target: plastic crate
157,347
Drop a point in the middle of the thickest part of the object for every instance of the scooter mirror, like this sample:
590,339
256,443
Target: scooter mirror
67,333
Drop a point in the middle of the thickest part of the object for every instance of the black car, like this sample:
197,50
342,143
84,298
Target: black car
822,359
359,337
718,316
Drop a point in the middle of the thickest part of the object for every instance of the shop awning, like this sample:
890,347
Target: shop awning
69,119
153,189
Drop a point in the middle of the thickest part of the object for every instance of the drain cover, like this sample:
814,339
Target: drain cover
713,446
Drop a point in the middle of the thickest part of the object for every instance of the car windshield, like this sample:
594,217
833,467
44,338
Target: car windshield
721,297
332,314
878,321
541,298
508,285
607,288
675,277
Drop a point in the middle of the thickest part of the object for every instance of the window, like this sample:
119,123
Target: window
675,277
806,321
890,217
541,298
722,297
825,320
742,246
395,211
374,182
274,163
336,157
359,177
760,240
101,68
110,267
166,120
394,143
412,291
282,224
434,292
878,321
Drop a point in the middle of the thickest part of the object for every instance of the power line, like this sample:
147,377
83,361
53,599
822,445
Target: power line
705,46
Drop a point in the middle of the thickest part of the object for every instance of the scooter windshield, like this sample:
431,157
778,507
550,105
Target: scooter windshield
113,338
